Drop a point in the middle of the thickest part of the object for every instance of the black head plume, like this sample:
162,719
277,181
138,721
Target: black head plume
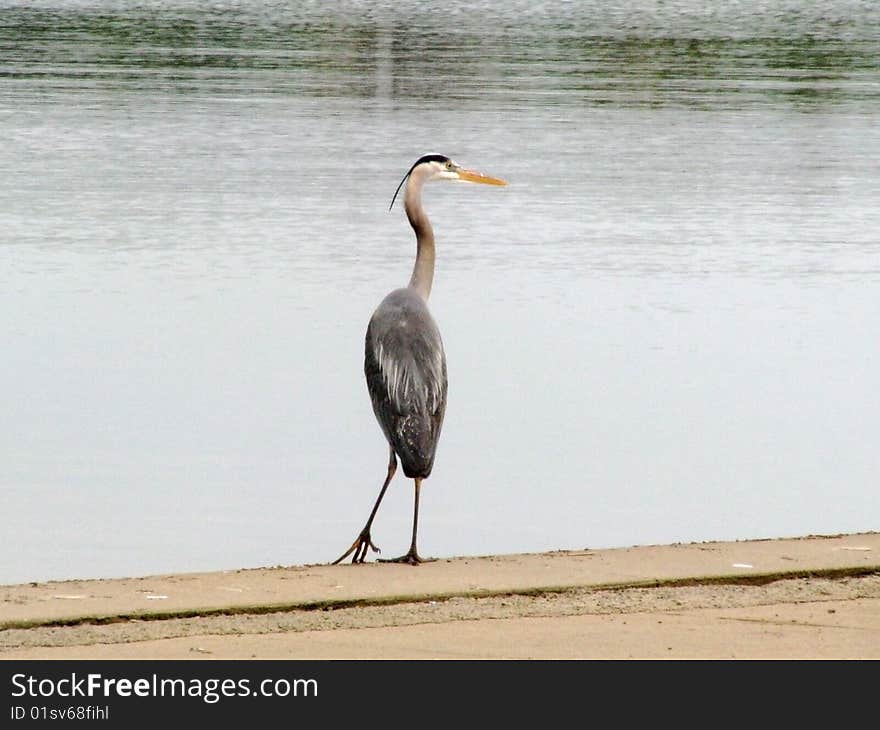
424,158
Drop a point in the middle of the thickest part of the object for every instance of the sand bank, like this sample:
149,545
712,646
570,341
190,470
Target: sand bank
808,597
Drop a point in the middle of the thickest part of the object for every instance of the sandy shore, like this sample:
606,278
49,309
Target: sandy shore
812,597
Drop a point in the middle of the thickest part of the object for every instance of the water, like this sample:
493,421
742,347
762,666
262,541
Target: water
663,330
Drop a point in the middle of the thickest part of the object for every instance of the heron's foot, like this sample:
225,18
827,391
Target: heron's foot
412,558
359,547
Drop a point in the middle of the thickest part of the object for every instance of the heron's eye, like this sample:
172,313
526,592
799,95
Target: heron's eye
449,164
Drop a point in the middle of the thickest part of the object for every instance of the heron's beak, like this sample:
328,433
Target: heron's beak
479,177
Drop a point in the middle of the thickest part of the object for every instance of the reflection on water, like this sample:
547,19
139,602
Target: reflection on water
524,53
659,332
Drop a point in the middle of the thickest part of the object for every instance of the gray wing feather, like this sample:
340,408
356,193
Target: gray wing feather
405,367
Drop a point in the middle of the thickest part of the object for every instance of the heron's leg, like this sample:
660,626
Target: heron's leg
412,557
363,543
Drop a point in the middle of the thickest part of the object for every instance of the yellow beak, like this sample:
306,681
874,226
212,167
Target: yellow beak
478,177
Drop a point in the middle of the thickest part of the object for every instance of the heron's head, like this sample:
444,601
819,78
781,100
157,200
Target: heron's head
441,167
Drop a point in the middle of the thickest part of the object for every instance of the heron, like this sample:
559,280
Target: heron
404,361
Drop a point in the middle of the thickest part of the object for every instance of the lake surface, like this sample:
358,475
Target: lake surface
663,330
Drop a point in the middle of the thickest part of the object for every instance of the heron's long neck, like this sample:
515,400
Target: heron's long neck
423,270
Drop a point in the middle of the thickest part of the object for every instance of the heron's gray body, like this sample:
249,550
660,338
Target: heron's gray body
405,368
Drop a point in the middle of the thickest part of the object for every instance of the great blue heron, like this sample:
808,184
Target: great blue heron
404,362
